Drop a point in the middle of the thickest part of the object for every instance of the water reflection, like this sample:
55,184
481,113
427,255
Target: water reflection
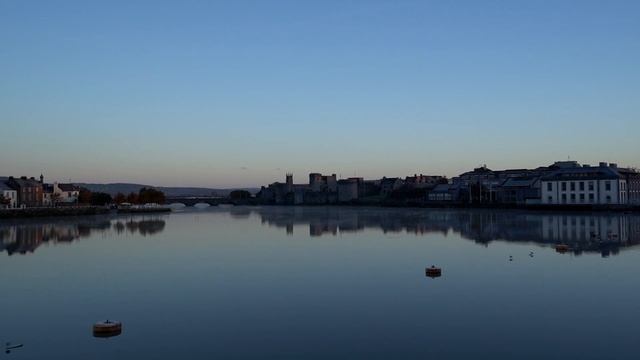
604,233
26,237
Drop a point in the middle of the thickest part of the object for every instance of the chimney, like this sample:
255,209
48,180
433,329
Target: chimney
613,165
603,164
586,165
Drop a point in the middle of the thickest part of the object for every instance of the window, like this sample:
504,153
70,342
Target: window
581,185
549,186
590,185
581,198
550,199
607,185
573,198
591,197
564,198
564,186
573,186
608,198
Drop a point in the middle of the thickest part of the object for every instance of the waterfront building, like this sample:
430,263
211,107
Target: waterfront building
9,194
319,182
47,195
519,191
633,185
29,191
587,185
388,185
348,189
321,189
424,181
444,193
66,193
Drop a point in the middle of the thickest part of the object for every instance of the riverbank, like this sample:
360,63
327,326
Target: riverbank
53,211
144,210
450,205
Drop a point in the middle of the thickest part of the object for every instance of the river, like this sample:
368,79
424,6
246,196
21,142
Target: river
323,283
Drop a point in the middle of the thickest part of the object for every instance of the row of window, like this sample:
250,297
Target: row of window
580,185
581,197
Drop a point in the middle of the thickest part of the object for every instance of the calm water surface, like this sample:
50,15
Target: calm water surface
324,283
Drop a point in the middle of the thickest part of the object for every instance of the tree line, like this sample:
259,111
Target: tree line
144,196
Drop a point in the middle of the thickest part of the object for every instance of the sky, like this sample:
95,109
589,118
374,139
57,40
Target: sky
236,93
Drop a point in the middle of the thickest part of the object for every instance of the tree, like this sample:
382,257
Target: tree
132,198
4,201
84,196
150,195
239,195
100,199
120,198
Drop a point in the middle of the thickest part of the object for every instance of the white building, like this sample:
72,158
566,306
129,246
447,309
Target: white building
586,185
65,193
10,194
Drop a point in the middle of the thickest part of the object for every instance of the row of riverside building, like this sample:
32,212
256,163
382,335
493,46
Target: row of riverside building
24,192
562,183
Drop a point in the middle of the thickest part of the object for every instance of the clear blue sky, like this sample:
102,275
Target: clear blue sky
235,93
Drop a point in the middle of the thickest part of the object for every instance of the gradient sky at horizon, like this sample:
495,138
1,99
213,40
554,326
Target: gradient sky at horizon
236,93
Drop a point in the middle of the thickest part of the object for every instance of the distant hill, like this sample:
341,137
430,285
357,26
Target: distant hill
127,188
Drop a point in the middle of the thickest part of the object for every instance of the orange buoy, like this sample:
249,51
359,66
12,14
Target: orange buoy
433,272
107,328
562,248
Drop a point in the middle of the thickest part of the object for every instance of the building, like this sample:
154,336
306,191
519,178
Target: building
348,189
319,182
633,185
9,194
321,189
47,195
444,193
66,193
29,191
519,191
388,185
586,185
423,181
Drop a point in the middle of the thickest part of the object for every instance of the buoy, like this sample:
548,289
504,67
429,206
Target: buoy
433,272
107,328
562,248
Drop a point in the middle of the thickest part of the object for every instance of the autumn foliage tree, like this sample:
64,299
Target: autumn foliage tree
100,199
84,196
132,198
4,201
150,195
120,198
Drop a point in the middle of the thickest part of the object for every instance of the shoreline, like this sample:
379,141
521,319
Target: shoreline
53,212
28,213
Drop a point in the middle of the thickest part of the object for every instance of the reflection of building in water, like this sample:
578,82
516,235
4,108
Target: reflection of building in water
25,238
603,233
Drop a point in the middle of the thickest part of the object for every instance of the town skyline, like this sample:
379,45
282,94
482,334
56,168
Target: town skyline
301,174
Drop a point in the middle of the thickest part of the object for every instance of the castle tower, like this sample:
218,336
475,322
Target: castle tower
289,181
41,179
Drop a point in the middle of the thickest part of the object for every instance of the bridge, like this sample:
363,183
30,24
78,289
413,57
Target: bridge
192,200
